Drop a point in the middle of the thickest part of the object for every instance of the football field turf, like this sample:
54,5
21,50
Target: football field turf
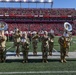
56,45
37,67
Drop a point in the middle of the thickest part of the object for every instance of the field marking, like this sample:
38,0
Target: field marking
74,42
8,48
55,50
38,72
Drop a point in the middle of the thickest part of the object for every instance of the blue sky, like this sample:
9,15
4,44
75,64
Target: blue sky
56,4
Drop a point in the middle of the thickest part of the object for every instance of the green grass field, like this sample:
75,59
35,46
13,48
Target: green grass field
56,45
39,66
36,66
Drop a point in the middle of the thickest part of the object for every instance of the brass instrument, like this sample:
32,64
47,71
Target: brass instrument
68,26
24,38
3,26
35,36
16,33
65,43
68,29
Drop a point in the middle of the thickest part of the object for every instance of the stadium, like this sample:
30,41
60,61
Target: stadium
32,18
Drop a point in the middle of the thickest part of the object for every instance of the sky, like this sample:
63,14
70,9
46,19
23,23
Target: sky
56,4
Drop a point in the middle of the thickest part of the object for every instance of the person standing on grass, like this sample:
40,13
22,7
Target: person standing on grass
16,39
51,42
68,37
3,39
35,37
25,46
63,46
68,34
45,46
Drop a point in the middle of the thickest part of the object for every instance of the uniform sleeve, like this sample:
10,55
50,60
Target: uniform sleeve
60,41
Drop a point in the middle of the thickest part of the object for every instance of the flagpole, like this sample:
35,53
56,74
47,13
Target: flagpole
51,4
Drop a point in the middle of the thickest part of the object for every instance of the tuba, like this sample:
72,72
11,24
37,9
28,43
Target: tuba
3,26
67,26
68,29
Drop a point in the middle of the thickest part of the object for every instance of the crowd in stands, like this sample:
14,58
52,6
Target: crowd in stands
35,11
57,27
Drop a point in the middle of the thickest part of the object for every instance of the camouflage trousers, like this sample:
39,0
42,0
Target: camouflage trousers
17,50
67,49
51,44
25,54
34,47
63,53
44,53
17,46
2,54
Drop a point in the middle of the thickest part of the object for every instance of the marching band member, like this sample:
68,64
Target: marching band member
25,47
45,46
64,41
34,42
68,35
17,38
63,46
51,42
3,39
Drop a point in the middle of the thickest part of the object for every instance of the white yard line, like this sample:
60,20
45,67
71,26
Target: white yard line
38,72
55,50
8,48
74,42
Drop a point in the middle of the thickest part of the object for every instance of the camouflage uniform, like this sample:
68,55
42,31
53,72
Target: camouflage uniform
25,48
2,48
34,43
44,48
63,47
17,40
51,43
68,45
68,37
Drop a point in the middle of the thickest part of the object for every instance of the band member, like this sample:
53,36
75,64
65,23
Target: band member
63,46
16,38
35,42
51,42
45,47
2,43
68,40
25,47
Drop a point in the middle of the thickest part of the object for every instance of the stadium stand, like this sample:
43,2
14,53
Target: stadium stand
35,11
37,19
